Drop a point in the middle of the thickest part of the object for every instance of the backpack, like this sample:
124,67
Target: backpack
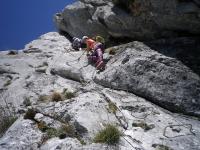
100,39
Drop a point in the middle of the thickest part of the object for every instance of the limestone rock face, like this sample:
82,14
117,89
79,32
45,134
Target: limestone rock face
147,19
89,99
23,134
163,80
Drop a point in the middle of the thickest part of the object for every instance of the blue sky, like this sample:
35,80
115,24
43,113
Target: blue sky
22,21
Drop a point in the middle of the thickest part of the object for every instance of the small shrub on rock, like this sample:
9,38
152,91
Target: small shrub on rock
68,129
30,114
52,132
56,96
112,51
68,94
112,107
7,117
110,135
12,53
6,122
43,98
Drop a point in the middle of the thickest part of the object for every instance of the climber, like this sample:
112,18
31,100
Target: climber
96,49
76,43
97,54
89,43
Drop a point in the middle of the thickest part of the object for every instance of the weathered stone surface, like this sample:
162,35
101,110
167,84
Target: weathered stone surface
163,80
149,19
23,134
69,143
144,125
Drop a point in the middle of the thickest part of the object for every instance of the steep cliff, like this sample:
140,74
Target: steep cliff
147,98
49,67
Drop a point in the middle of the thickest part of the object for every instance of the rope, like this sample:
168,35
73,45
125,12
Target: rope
181,125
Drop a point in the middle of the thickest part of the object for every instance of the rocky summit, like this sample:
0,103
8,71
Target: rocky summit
147,98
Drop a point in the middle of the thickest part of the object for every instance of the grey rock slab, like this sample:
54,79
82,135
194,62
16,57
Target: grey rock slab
74,66
160,79
148,124
23,134
144,125
70,143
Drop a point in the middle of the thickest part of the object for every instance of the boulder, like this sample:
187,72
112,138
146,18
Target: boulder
141,19
23,134
160,79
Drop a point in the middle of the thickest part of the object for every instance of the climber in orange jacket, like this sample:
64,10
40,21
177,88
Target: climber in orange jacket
90,43
97,50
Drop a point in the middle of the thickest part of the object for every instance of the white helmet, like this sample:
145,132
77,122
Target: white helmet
84,38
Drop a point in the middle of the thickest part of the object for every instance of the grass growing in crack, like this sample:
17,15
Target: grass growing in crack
7,116
143,125
112,51
161,147
62,132
109,135
112,107
30,114
69,130
43,98
68,94
52,132
56,97
27,101
81,141
6,122
42,126
8,82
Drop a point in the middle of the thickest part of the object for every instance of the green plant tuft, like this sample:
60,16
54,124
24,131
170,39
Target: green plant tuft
8,82
81,141
161,147
6,122
42,126
52,132
68,94
110,135
68,129
30,114
112,51
143,125
43,98
112,107
27,101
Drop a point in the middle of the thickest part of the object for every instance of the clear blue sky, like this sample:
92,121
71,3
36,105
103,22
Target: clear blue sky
22,21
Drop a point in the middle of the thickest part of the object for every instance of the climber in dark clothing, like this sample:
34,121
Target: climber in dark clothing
76,43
